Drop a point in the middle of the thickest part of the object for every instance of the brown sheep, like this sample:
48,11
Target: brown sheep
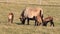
48,19
38,20
10,17
30,13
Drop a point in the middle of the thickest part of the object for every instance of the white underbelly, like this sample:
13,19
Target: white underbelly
10,16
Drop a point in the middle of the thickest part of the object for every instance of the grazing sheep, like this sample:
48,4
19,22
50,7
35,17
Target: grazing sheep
47,20
30,14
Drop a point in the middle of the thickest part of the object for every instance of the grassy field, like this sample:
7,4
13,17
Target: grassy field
17,28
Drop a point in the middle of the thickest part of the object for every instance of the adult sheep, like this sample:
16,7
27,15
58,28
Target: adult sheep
31,13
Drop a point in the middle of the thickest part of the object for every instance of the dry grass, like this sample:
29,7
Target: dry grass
17,28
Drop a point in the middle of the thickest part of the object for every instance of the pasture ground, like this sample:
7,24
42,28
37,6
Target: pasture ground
17,28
